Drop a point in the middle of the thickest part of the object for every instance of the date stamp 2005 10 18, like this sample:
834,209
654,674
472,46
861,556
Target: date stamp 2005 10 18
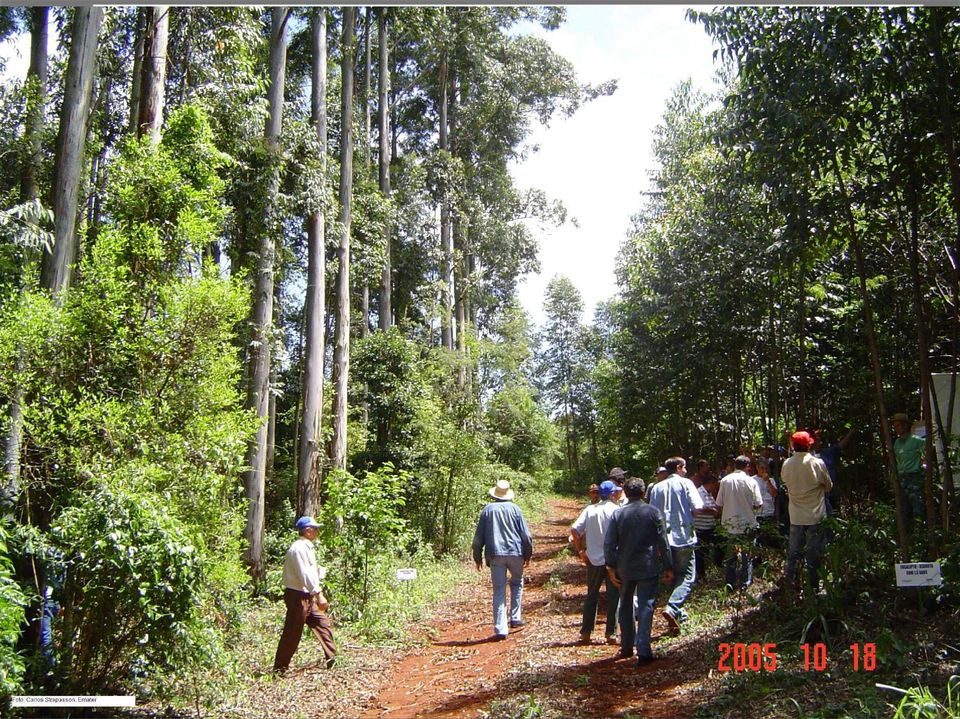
764,657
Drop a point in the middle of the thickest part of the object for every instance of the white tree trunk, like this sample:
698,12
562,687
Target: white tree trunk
258,391
383,112
341,347
57,264
314,312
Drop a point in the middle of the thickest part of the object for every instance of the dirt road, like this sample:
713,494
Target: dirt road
541,669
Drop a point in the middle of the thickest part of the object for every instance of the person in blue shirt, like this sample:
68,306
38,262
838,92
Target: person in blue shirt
504,540
677,498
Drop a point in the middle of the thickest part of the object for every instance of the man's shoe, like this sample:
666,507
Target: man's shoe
672,623
643,661
585,638
499,637
517,624
331,662
612,639
625,653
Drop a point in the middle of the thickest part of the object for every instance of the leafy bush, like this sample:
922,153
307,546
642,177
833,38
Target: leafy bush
362,533
12,602
920,703
130,561
134,434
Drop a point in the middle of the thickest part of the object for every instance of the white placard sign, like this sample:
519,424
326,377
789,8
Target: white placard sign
919,574
406,575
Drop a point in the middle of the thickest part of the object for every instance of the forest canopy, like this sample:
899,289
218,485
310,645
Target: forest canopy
263,263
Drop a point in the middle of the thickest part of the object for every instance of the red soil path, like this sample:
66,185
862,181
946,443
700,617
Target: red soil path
461,673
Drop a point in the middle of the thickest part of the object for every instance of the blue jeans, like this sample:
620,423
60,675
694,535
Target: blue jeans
636,623
498,571
596,577
911,486
738,568
684,575
814,537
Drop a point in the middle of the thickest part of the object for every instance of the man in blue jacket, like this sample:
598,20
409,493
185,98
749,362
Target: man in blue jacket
636,551
504,539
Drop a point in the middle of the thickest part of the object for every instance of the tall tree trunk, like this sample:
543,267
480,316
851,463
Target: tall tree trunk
802,345
923,352
258,390
366,155
153,84
37,80
446,241
874,358
57,266
367,77
315,310
136,79
459,308
341,347
383,115
33,124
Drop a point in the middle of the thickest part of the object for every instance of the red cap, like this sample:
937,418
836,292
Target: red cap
801,441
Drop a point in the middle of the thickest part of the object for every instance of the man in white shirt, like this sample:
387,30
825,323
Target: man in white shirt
739,499
807,481
304,599
587,534
767,534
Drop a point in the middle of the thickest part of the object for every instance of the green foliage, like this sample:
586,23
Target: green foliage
133,432
12,602
362,532
920,703
128,559
520,434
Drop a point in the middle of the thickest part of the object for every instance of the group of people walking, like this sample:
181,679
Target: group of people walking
631,537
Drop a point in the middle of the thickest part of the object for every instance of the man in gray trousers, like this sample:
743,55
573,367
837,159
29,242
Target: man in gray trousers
504,539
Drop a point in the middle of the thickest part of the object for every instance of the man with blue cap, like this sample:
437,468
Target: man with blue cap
304,598
587,535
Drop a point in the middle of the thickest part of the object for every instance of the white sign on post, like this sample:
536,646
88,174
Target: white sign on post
919,574
406,575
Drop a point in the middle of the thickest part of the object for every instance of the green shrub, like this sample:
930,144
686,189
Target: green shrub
134,432
361,534
12,602
133,591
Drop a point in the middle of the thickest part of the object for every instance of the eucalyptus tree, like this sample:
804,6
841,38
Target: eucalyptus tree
314,310
56,268
36,97
815,84
341,346
36,100
385,307
152,86
261,316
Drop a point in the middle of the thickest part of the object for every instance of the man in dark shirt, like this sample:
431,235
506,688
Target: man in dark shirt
636,550
504,539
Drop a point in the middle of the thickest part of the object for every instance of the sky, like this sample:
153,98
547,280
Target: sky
598,161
